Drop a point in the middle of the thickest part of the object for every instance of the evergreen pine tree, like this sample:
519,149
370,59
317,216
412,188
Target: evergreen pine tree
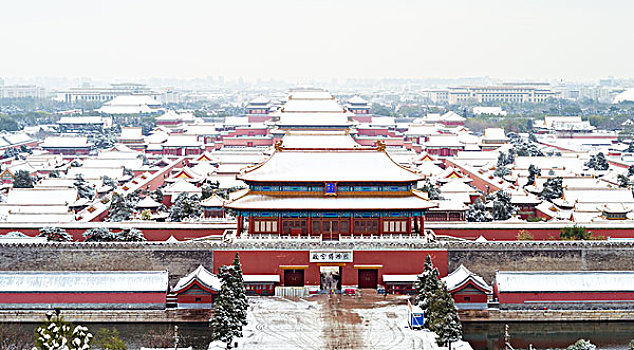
501,171
582,344
602,162
84,190
185,208
533,172
241,303
224,325
120,208
502,207
130,235
432,191
623,180
426,286
23,179
553,188
157,195
54,234
443,317
107,181
478,212
99,234
592,162
58,334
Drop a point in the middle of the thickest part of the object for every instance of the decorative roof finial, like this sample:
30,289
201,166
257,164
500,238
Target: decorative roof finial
380,146
278,145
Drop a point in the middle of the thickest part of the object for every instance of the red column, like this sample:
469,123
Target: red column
279,225
310,226
381,225
351,225
251,226
422,224
409,225
239,224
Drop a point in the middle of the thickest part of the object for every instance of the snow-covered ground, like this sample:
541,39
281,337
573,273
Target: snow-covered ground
333,322
281,324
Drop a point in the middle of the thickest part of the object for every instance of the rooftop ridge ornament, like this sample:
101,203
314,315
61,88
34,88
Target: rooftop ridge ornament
278,145
380,146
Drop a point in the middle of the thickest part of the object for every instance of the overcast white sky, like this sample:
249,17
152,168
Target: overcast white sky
506,39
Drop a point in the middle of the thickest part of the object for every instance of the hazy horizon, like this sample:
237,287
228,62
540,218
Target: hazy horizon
317,40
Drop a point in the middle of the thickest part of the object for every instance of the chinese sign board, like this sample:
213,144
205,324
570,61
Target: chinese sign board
331,256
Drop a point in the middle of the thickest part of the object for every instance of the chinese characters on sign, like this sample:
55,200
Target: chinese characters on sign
331,256
331,188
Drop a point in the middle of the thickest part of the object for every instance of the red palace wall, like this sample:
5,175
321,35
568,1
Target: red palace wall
258,118
362,118
82,298
539,234
151,234
520,298
394,262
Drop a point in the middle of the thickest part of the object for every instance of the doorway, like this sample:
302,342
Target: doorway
368,278
330,278
293,278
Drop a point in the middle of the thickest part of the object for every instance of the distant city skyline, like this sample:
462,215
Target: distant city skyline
307,40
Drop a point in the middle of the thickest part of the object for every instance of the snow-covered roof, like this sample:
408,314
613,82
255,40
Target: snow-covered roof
172,239
357,100
17,138
313,119
180,186
148,202
452,117
261,278
600,196
96,173
260,100
383,121
82,120
201,130
65,142
400,278
83,281
213,201
319,139
456,186
565,281
41,196
329,165
312,105
422,130
251,202
203,276
130,104
131,133
169,115
444,141
182,141
309,94
460,276
494,134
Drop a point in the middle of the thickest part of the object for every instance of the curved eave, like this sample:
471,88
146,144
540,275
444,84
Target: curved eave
195,281
475,283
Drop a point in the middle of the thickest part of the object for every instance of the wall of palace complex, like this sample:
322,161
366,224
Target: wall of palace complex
178,259
396,258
